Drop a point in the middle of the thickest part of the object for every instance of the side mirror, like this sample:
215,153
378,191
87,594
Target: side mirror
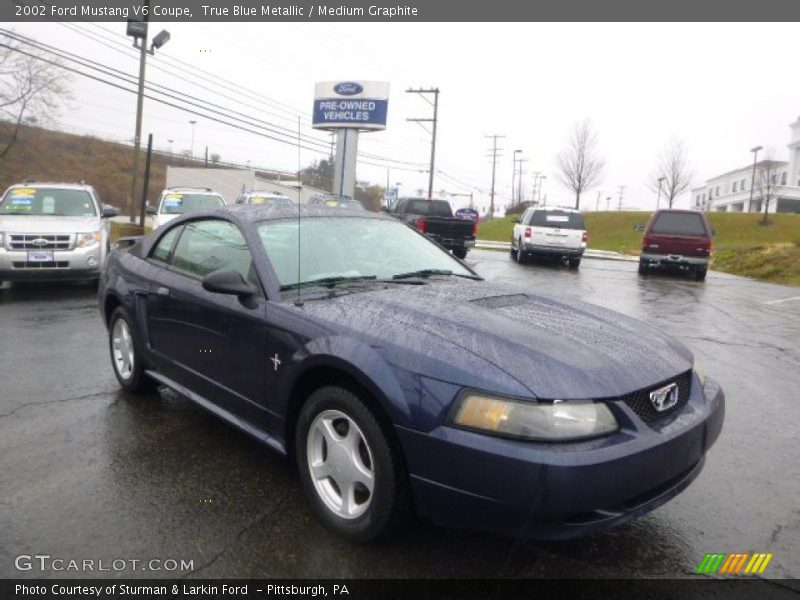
109,211
517,221
228,282
151,210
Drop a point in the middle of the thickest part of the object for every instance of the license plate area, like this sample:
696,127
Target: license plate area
40,256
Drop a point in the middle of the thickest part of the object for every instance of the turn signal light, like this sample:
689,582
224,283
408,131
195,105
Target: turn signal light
420,224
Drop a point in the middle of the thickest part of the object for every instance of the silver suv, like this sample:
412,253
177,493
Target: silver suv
52,231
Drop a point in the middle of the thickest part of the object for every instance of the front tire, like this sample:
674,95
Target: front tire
700,273
642,267
350,468
127,358
574,263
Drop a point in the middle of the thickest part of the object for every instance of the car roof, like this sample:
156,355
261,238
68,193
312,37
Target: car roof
555,209
52,185
265,193
187,189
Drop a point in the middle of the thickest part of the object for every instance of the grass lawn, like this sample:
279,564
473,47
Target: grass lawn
741,245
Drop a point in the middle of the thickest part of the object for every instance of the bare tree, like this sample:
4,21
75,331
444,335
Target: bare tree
768,181
31,90
674,170
579,167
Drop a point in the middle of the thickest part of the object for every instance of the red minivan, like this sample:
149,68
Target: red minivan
679,239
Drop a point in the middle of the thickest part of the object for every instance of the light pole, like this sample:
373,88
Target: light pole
138,31
658,198
192,123
541,181
753,177
170,142
514,174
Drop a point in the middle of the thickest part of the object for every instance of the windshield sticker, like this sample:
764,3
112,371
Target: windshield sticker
332,203
557,218
24,192
173,201
258,200
22,200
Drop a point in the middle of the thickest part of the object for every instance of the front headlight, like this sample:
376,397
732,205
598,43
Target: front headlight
556,421
700,372
88,239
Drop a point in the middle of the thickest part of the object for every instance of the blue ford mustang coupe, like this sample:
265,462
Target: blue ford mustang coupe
400,381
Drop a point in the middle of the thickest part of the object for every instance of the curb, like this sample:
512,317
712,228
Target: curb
590,253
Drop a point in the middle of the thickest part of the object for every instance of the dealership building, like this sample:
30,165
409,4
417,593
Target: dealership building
730,192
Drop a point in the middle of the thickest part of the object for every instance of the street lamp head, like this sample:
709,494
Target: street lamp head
160,39
756,149
660,179
136,29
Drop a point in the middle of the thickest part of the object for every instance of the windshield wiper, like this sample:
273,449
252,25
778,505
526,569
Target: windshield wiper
327,281
428,272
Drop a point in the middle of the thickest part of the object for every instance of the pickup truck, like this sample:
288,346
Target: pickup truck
435,219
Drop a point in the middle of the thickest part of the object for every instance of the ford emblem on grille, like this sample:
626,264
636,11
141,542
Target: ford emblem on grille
664,398
348,88
39,242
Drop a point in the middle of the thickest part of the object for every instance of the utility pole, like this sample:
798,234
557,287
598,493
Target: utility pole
519,181
494,156
434,121
597,204
621,190
514,174
191,152
752,179
608,203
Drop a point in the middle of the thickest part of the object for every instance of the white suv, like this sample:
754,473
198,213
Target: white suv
52,231
176,201
549,232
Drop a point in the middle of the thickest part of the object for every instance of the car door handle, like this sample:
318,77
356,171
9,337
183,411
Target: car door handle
162,291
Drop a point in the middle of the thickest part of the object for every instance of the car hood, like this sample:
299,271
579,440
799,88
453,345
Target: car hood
557,349
45,224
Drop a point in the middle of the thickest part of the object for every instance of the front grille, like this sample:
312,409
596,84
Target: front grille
49,241
58,264
640,403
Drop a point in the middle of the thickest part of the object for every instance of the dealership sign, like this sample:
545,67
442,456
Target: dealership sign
351,104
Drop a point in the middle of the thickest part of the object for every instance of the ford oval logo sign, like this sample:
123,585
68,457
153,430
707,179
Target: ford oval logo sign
348,88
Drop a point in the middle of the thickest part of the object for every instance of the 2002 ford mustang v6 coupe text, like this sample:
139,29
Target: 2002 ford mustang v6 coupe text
399,380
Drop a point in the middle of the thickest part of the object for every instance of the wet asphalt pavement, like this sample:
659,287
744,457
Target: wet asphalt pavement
88,472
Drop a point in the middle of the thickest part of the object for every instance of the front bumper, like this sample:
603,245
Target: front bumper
79,263
561,490
673,260
554,251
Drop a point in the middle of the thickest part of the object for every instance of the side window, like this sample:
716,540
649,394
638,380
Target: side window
164,246
212,245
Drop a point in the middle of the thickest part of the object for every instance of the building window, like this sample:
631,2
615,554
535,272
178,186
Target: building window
744,184
734,186
783,178
716,192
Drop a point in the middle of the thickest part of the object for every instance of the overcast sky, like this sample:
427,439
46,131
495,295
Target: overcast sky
720,88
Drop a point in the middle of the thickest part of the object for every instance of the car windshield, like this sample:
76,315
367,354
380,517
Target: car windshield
270,201
679,224
178,203
350,247
429,208
561,220
48,201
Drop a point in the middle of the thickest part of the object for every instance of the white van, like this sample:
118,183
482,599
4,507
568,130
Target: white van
550,232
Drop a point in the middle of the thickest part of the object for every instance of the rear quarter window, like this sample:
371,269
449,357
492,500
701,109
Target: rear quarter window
561,220
679,224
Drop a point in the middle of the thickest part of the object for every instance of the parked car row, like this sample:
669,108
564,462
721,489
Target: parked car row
673,239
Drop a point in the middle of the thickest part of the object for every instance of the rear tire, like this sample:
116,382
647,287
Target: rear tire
341,440
461,254
127,357
574,263
521,258
642,267
700,273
